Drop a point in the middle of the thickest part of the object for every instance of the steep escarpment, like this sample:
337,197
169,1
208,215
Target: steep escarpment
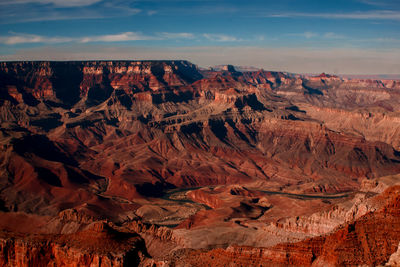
75,238
93,246
69,82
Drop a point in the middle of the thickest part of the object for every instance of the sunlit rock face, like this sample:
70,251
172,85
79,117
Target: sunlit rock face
169,157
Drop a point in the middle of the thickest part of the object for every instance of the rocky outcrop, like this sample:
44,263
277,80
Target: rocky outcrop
162,233
40,253
326,221
201,196
98,245
370,240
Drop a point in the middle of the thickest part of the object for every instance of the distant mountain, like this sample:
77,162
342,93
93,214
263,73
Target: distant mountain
373,76
237,68
363,76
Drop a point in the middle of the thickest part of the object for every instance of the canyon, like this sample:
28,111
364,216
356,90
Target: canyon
163,163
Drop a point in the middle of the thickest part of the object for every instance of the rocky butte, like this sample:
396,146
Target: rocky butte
161,163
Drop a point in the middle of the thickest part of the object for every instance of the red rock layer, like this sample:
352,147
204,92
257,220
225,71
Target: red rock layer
97,245
370,240
132,129
71,81
109,138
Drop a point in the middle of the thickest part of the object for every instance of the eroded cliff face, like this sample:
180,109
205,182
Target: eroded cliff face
97,244
371,240
168,151
42,252
70,82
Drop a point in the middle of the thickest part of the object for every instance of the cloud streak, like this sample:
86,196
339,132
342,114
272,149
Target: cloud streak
32,38
179,35
22,38
372,15
56,10
220,37
121,37
307,34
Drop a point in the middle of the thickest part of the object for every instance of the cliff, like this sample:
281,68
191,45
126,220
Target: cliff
98,245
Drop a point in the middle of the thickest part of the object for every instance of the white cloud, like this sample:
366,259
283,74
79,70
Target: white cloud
32,38
220,37
259,37
22,38
125,36
377,14
136,36
307,34
176,35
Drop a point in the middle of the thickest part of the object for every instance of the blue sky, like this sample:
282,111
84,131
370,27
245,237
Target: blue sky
342,36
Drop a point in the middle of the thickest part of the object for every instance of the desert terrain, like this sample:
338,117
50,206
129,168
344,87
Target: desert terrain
163,163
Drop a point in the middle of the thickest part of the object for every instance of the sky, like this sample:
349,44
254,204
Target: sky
301,36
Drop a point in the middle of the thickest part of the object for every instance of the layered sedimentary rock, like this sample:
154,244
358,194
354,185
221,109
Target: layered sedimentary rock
68,240
369,240
261,157
68,251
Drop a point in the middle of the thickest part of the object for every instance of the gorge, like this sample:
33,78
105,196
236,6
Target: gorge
163,163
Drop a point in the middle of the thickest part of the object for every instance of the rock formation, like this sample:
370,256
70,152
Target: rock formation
163,160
